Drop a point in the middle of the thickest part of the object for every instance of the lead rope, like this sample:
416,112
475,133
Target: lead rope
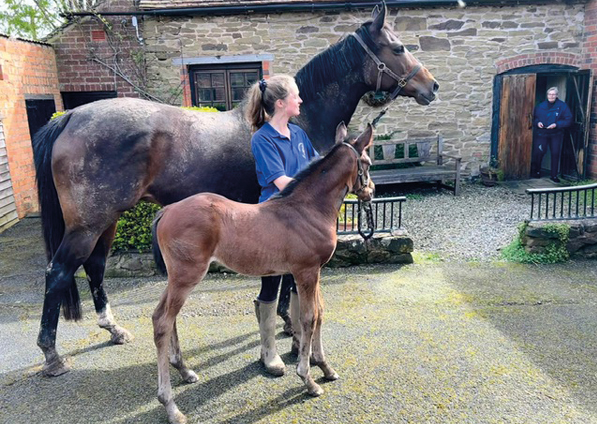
366,206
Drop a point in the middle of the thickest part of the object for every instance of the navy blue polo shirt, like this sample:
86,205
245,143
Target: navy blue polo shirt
276,155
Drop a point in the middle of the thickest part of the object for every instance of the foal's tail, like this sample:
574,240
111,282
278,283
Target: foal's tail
157,253
51,213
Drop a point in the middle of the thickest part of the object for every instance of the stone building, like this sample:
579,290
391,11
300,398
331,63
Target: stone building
493,60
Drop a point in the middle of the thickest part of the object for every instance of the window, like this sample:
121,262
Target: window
222,87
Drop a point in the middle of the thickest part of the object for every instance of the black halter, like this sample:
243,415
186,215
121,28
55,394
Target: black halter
382,68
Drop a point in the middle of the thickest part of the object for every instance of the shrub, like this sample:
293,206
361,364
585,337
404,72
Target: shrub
134,228
555,252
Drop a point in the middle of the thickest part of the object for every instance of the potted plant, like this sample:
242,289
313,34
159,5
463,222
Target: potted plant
490,175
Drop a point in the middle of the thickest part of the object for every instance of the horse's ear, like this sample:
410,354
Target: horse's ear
379,18
364,140
341,132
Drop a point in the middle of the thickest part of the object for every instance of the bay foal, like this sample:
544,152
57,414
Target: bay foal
294,232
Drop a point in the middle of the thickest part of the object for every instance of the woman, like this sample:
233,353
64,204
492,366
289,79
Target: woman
281,150
551,117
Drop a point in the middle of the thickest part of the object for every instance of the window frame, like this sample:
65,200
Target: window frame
226,69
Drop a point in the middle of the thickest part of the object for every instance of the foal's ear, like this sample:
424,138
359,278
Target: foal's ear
341,132
364,140
379,18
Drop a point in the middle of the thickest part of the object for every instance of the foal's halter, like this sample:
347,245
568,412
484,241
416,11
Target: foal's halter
382,68
361,178
364,181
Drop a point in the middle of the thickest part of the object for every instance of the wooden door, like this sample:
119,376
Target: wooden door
515,140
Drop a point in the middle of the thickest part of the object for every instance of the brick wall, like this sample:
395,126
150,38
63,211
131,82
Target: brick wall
101,54
27,69
590,62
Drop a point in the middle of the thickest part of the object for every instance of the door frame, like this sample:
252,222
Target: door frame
497,94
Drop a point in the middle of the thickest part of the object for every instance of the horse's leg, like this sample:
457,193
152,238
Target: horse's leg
95,266
308,287
76,246
284,301
176,360
181,281
318,357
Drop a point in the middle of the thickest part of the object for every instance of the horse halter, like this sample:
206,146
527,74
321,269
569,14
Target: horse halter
382,68
363,205
364,181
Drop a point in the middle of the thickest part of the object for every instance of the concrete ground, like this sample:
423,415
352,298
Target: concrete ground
433,342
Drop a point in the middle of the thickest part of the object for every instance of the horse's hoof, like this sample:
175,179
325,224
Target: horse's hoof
189,377
177,417
57,367
315,390
333,376
120,336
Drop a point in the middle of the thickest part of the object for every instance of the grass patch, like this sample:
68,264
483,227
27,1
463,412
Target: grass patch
554,252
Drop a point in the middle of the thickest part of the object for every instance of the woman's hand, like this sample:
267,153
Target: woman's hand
540,124
552,126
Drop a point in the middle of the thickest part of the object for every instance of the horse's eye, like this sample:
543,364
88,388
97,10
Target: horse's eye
398,49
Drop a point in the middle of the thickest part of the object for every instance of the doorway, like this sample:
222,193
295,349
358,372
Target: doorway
515,95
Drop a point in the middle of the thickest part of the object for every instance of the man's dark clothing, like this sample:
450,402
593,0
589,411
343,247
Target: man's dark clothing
549,113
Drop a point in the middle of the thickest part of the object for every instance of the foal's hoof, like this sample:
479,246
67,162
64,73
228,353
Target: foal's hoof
57,367
333,376
120,335
315,390
189,376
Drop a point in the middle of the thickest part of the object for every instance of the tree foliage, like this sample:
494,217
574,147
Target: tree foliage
36,18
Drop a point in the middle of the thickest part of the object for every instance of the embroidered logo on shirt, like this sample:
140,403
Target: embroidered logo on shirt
301,147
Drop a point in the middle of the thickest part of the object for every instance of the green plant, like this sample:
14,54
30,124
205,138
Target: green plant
342,211
201,108
554,252
57,114
134,228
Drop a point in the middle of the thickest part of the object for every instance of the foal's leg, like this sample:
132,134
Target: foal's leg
318,356
308,287
60,283
95,266
176,360
181,281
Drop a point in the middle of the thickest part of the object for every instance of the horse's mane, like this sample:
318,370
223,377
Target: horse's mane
334,63
313,167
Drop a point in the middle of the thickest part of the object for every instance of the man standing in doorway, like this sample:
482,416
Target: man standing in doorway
550,119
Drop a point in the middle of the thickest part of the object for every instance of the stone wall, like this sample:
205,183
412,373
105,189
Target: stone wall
461,47
351,250
582,238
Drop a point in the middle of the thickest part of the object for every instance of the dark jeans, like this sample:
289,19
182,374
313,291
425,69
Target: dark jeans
554,141
269,291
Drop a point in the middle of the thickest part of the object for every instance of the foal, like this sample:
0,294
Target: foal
294,232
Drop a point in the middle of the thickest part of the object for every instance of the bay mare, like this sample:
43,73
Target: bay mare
293,232
100,159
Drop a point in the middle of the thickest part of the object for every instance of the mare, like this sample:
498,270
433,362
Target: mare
100,159
293,232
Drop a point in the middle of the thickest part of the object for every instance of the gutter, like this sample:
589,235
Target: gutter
309,7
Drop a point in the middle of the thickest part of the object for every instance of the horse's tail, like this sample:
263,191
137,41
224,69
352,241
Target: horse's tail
157,253
51,213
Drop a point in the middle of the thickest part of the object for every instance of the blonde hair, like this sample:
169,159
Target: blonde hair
263,96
